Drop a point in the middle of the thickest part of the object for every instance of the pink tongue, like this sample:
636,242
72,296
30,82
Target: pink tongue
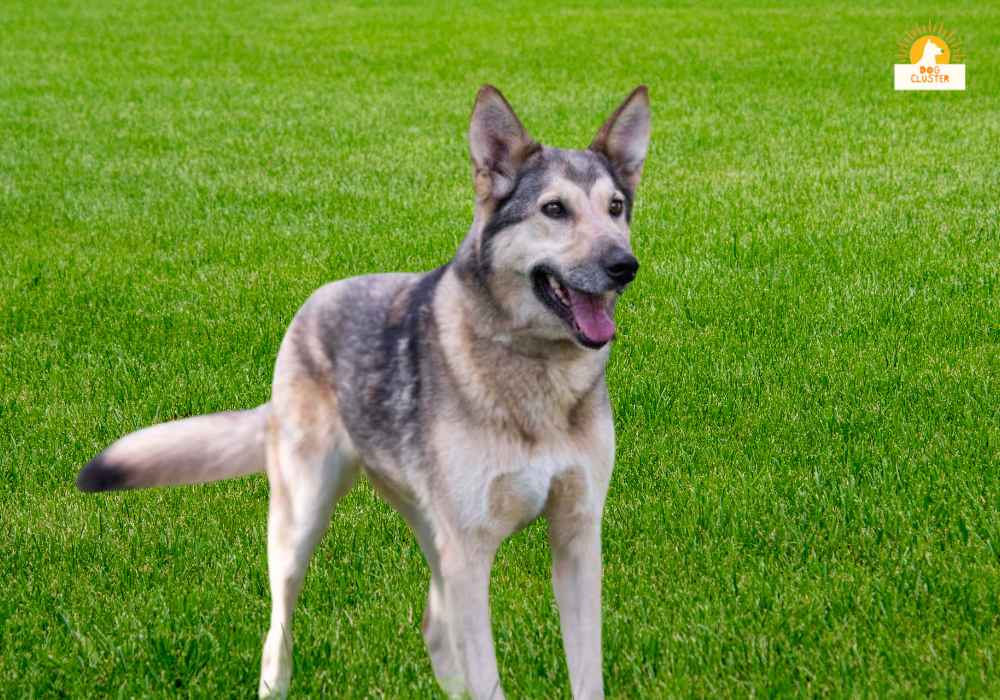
591,316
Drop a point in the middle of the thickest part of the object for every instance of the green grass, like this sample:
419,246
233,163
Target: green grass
807,495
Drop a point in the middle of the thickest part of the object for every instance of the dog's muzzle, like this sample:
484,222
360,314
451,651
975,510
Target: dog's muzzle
584,297
620,266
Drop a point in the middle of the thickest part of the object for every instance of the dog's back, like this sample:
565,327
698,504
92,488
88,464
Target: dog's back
370,340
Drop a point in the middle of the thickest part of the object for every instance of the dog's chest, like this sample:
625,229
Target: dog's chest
498,483
513,499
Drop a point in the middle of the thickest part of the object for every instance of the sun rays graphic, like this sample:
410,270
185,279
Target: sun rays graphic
912,45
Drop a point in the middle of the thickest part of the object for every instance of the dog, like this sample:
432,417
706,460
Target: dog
472,397
930,53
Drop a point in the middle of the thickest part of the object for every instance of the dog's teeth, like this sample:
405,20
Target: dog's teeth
558,290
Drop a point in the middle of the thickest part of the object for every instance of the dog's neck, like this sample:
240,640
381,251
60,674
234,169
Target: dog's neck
520,380
468,260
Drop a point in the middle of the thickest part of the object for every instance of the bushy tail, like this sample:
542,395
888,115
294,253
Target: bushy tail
188,451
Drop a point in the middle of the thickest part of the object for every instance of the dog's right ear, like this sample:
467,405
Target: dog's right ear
498,144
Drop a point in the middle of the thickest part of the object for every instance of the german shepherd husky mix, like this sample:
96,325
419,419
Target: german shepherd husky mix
472,397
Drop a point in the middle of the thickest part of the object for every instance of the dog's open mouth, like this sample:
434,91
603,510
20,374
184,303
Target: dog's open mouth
587,315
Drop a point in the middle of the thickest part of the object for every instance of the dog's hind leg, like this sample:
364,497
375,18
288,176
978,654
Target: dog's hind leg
309,469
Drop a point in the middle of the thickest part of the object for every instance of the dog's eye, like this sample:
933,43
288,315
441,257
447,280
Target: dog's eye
616,208
554,210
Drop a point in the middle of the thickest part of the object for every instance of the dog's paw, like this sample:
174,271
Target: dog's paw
272,691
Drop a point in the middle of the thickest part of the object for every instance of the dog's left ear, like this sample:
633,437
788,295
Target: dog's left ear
498,144
624,138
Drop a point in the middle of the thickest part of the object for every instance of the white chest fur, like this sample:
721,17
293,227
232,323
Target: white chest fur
496,483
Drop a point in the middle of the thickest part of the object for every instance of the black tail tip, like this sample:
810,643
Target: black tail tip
100,475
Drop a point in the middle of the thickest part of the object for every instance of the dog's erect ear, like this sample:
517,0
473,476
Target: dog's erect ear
624,138
498,144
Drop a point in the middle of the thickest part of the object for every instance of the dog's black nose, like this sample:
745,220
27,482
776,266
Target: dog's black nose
620,265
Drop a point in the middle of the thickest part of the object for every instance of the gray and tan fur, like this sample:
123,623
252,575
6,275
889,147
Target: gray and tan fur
473,398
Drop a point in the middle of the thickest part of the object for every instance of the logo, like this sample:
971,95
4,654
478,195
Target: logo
930,59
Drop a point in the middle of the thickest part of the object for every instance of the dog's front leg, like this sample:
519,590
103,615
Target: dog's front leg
466,576
576,580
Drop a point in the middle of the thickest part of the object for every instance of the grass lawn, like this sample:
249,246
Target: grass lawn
806,383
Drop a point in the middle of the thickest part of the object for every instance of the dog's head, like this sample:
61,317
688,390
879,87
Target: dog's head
932,50
550,242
